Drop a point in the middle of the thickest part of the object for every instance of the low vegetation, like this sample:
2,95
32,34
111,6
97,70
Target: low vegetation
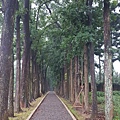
116,102
101,103
73,111
26,111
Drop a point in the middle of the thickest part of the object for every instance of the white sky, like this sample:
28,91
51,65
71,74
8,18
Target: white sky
116,65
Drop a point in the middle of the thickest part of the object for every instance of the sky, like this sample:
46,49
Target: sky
116,65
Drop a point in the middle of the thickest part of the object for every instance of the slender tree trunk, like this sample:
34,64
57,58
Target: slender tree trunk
26,52
92,67
93,83
71,82
18,64
99,70
107,63
75,77
28,79
62,80
11,89
60,83
65,81
78,75
37,94
5,55
68,82
86,86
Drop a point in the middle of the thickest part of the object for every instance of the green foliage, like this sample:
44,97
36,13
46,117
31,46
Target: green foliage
116,100
101,100
61,29
116,77
100,94
116,93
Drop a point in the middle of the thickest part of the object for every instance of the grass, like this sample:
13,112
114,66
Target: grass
26,111
101,104
116,103
72,110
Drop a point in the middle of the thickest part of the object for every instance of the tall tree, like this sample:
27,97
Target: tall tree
107,62
86,88
11,89
71,81
5,55
26,54
18,64
92,66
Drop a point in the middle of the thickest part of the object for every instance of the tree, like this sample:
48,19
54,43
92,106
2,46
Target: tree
18,63
6,53
86,86
26,54
92,66
11,89
107,62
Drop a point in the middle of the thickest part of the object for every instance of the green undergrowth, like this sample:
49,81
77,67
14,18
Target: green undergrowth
101,104
26,111
73,111
116,103
116,100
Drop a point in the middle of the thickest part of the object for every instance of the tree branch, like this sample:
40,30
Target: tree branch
39,10
58,25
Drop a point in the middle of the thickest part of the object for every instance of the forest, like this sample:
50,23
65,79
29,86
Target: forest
68,46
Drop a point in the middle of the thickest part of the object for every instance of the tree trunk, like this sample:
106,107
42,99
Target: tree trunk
75,77
26,52
107,63
68,82
100,70
62,80
32,77
18,64
86,86
5,55
92,66
93,83
37,93
11,89
71,82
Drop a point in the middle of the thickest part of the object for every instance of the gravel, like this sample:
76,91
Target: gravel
51,109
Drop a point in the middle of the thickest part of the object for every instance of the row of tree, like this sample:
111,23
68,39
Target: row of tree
56,42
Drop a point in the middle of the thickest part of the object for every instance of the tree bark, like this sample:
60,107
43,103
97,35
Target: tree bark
11,89
92,66
93,83
75,77
18,64
5,55
86,85
107,63
71,82
26,52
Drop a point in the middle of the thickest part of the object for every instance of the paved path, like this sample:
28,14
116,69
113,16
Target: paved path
51,109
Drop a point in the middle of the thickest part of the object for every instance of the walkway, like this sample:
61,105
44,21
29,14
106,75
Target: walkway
51,109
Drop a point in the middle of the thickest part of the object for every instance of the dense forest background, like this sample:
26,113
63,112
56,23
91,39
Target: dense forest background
68,46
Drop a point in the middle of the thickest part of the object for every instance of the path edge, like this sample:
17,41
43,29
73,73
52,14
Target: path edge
73,117
32,113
